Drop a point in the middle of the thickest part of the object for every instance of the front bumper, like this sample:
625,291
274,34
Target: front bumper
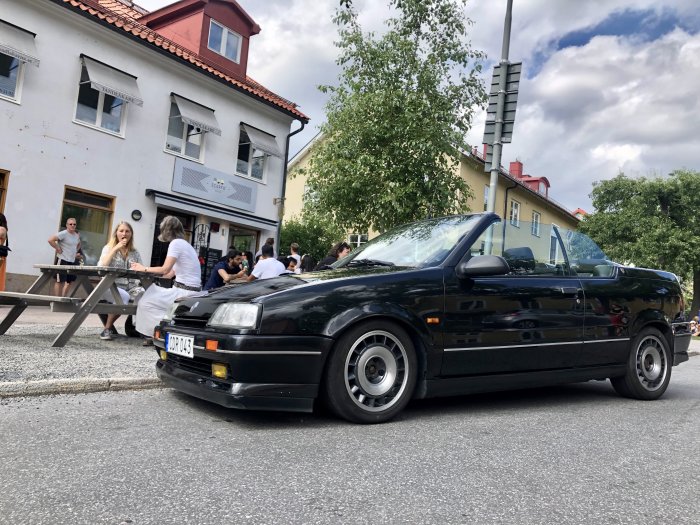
681,342
263,372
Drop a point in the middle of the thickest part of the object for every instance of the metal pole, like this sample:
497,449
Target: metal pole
498,129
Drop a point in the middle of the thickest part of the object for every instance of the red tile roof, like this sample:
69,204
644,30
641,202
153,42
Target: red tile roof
123,14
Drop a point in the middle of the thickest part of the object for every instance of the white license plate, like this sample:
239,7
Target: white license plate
180,345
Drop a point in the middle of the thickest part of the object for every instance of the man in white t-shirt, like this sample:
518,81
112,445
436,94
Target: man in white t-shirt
267,266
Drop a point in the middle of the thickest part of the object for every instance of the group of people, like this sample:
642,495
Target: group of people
182,264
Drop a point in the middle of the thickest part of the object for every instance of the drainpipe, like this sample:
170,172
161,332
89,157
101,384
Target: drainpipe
284,184
505,210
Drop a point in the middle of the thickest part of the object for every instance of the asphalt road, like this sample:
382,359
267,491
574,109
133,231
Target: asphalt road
574,454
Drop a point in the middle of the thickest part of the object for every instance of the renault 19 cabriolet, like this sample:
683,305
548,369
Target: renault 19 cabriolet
441,307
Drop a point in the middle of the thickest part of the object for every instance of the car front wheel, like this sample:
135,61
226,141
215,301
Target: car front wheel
372,373
648,367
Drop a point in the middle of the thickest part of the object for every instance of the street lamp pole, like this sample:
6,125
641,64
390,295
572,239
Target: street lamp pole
498,131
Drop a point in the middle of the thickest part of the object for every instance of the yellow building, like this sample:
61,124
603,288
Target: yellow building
519,197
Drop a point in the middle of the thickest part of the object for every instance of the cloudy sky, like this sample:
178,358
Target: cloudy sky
608,85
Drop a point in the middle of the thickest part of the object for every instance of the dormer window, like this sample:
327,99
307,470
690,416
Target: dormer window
224,41
542,188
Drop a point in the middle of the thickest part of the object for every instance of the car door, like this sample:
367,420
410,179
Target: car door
529,319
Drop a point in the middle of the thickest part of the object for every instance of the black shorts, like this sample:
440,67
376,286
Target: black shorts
65,278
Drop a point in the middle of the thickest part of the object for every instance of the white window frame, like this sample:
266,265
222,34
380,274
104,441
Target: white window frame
357,239
18,84
183,137
248,174
514,218
536,221
226,33
100,105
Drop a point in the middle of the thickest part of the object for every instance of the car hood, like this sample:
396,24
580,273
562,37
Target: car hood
202,305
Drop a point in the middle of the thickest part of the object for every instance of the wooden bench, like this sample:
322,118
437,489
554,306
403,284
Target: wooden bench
31,299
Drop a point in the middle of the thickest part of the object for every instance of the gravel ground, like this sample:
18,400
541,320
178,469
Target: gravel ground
30,365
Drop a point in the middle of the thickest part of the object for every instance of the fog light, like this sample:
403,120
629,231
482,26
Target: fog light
219,370
211,344
163,355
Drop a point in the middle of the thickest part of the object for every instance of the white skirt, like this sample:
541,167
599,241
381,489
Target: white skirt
153,305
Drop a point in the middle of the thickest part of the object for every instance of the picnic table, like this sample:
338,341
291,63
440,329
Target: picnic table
95,280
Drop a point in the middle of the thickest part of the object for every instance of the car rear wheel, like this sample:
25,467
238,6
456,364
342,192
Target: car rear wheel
648,368
372,373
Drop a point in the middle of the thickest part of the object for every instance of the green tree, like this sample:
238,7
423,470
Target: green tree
651,222
314,236
397,120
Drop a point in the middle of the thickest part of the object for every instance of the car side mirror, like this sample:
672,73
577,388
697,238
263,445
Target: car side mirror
482,265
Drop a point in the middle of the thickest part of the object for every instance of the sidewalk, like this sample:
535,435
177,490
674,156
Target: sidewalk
29,365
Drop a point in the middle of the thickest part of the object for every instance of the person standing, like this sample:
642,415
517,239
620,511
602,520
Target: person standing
267,267
3,259
294,248
119,252
181,262
269,242
67,245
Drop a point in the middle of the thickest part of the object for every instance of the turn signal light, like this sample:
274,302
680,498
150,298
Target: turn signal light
156,335
211,344
432,320
219,370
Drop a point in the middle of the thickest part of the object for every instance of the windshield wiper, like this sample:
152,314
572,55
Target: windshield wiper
369,262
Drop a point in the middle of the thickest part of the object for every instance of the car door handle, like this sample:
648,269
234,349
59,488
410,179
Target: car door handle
570,290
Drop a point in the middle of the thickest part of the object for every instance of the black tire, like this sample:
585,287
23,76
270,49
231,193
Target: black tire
648,367
386,358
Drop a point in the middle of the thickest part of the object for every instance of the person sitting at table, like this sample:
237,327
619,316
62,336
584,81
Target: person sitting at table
225,271
119,252
181,262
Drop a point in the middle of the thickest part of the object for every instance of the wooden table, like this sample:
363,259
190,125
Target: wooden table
86,276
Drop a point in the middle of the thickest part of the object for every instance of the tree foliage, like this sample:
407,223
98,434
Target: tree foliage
313,235
650,222
398,118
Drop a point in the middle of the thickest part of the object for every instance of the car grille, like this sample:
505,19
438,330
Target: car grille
194,322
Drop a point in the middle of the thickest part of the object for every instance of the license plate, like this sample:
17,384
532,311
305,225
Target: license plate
180,344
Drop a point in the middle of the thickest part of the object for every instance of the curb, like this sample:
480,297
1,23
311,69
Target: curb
77,386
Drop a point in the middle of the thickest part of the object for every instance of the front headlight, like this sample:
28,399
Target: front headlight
235,315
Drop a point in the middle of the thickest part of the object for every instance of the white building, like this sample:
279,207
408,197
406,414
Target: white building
110,113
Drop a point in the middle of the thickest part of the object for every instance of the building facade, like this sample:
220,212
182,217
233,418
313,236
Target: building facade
112,113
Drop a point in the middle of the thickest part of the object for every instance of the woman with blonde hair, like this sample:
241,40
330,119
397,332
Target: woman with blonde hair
182,263
119,252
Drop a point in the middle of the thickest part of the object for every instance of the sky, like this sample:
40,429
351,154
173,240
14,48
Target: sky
608,86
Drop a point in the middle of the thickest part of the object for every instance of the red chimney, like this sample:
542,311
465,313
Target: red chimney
516,169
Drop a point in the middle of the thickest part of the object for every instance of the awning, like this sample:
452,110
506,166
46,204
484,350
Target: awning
18,43
262,141
112,81
195,115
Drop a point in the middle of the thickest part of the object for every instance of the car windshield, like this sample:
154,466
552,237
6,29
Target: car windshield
420,244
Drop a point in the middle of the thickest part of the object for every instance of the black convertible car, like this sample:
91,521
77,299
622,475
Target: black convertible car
442,307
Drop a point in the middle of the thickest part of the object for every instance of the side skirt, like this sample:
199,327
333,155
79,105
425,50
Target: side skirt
454,386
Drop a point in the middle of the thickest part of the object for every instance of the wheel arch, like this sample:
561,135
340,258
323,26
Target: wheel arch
656,320
415,329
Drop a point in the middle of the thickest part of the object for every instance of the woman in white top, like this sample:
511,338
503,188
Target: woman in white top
119,253
182,263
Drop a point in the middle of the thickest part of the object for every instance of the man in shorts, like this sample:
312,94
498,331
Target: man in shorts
67,246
